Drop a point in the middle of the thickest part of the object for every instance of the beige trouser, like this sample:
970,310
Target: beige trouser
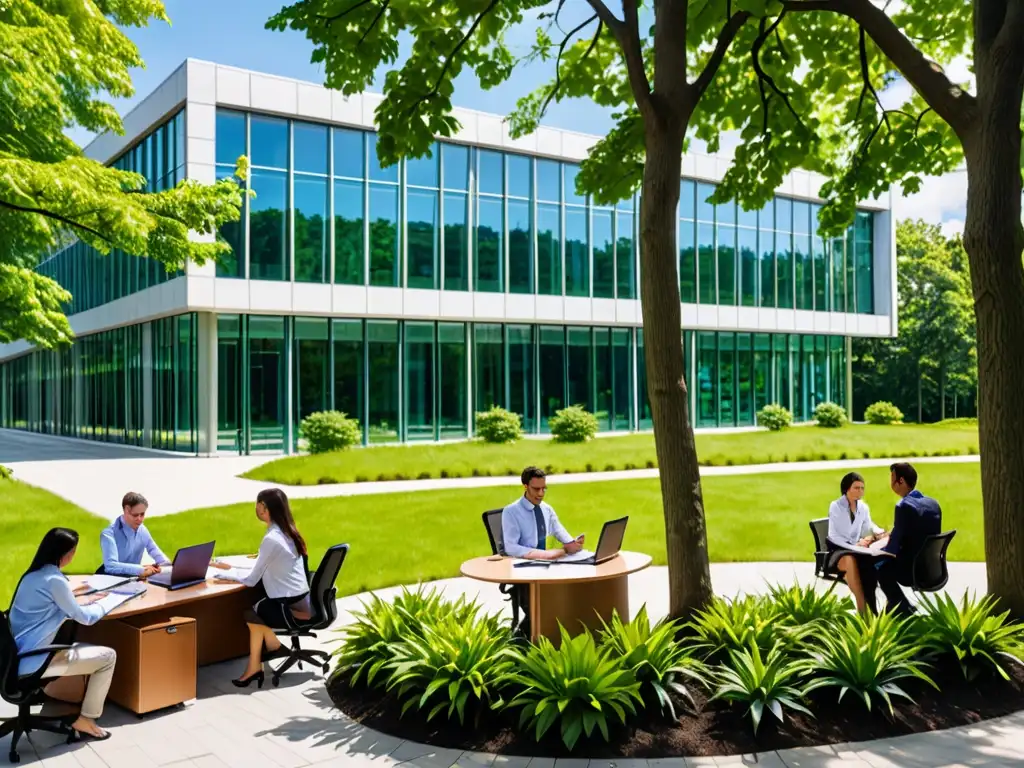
96,661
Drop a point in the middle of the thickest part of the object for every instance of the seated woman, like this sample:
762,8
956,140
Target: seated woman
43,601
281,567
850,524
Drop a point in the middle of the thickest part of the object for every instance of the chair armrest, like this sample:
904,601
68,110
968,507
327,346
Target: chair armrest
44,649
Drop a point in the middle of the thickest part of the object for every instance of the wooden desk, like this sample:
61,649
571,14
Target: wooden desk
575,595
217,609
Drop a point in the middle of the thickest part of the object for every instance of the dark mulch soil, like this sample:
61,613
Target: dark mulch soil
717,730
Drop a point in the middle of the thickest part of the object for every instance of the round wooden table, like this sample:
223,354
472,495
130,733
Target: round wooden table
576,596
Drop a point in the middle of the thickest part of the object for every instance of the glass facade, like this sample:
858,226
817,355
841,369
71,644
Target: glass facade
94,279
774,257
97,388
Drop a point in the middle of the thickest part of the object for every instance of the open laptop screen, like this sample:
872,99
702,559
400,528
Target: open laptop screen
611,539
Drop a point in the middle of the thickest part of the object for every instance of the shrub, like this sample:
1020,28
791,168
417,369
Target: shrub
799,606
829,415
972,633
498,425
327,431
6,473
657,661
883,412
763,683
733,625
867,657
459,660
774,417
575,685
573,425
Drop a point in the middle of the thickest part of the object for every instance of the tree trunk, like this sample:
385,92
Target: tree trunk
685,532
994,240
942,393
920,409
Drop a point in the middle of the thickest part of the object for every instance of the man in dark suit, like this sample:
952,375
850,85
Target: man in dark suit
917,517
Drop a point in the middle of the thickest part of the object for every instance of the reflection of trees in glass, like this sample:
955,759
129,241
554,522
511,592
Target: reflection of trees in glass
266,242
310,247
624,263
488,258
519,263
231,264
348,250
455,257
422,249
383,252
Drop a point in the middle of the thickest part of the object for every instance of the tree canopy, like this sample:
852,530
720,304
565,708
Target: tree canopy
58,62
935,354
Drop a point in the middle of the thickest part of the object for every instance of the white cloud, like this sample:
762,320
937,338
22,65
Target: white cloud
942,200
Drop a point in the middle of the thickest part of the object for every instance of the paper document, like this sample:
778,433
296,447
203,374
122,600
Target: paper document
875,550
115,600
583,554
115,584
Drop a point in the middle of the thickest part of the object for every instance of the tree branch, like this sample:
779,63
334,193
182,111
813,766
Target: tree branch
558,59
949,101
866,76
331,19
448,59
376,19
755,51
725,38
55,217
632,51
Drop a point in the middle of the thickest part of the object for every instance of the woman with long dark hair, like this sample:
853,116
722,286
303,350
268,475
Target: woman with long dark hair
43,601
850,525
281,567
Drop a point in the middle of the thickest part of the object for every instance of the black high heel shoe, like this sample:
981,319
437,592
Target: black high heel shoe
258,677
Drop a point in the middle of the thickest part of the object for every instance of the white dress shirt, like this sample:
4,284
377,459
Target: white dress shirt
843,530
279,566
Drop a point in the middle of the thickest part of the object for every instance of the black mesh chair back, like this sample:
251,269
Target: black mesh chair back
819,529
492,522
931,572
323,594
9,688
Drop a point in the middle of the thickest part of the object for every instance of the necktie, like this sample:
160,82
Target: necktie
542,534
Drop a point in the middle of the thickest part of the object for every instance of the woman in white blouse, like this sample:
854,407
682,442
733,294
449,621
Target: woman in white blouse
850,524
281,567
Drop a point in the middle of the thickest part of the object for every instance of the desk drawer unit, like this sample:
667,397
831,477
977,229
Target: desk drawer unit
156,660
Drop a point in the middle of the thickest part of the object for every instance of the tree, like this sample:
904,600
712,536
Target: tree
799,81
54,59
936,351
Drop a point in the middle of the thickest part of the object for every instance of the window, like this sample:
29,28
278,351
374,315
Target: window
489,365
349,235
349,369
604,255
419,381
572,197
455,160
269,137
230,264
268,259
705,210
520,176
311,379
310,148
864,260
744,381
349,153
580,368
422,171
552,373
707,380
451,380
382,356
784,268
522,373
748,266
549,181
377,171
803,265
622,379
577,257
384,235
491,180
687,262
267,371
821,290
520,254
422,238
727,264
490,232
549,250
625,256
456,248
310,217
687,199
706,263
230,144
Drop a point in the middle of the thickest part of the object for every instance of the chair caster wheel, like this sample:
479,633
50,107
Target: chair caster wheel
326,668
14,757
275,681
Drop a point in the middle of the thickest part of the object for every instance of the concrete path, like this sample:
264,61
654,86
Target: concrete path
295,725
76,470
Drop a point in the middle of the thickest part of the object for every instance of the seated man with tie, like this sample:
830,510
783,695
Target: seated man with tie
124,540
525,526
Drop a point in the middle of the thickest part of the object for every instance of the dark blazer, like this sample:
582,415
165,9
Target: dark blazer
917,516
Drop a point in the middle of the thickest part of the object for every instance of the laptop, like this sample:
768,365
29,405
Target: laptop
608,545
189,567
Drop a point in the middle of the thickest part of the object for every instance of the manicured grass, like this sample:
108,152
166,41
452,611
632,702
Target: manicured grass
405,538
26,514
471,459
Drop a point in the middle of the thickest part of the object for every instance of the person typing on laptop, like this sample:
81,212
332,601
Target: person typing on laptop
125,540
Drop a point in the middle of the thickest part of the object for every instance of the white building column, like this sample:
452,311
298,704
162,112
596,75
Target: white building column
206,382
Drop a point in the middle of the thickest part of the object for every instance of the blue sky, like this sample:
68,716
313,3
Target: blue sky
232,32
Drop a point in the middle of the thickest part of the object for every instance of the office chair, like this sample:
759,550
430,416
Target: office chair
322,596
930,572
819,528
26,692
492,522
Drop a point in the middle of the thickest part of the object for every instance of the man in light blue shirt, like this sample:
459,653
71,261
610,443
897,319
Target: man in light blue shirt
525,527
124,540
527,523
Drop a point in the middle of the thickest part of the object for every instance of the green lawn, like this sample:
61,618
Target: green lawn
470,459
410,537
26,513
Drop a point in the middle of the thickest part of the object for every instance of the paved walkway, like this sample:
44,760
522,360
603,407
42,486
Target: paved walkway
295,725
74,469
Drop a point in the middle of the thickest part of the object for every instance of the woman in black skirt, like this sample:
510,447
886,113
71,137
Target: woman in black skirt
280,568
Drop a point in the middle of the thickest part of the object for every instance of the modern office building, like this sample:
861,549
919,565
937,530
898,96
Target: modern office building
411,297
